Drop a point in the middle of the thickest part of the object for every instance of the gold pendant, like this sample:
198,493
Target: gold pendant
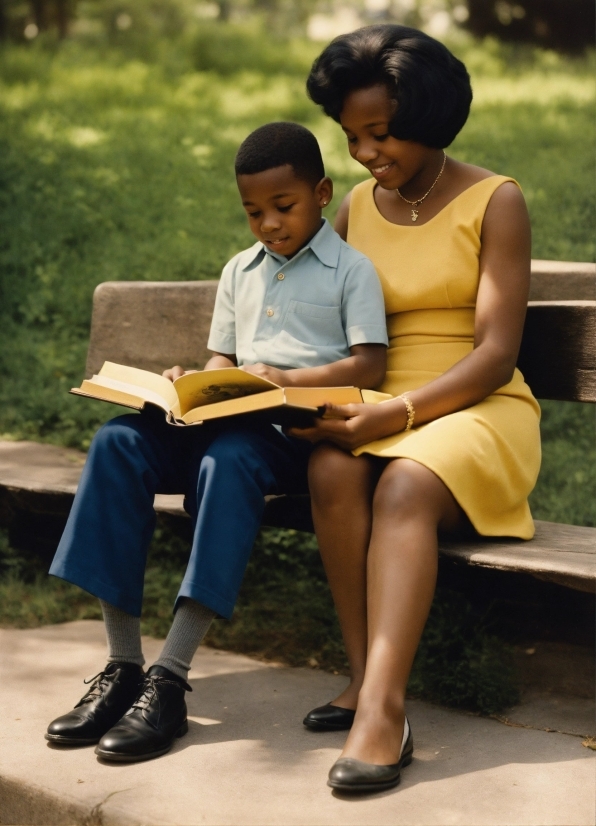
414,215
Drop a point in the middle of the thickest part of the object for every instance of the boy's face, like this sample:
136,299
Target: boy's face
284,211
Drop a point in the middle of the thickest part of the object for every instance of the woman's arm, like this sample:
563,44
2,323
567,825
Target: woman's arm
500,313
341,219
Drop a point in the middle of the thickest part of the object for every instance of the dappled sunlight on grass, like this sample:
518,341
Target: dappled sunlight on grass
534,88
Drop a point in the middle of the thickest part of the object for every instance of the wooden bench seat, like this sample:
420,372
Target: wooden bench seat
156,324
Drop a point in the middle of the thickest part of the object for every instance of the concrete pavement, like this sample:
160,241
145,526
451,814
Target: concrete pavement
248,760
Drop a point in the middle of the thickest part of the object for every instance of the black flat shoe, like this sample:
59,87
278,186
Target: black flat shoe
110,694
350,775
152,723
329,718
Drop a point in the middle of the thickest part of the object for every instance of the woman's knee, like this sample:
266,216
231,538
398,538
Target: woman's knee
335,476
407,489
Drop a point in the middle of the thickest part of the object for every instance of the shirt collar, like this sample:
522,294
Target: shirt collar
325,244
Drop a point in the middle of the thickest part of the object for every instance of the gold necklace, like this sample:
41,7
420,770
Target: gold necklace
416,203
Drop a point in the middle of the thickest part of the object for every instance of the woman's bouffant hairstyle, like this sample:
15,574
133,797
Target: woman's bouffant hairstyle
431,86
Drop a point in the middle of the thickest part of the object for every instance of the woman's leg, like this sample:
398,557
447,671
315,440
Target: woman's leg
410,504
341,487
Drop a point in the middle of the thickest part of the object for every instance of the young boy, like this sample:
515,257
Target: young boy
301,308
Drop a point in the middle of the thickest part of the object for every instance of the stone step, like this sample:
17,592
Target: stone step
248,761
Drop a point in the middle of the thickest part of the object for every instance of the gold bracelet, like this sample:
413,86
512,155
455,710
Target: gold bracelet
409,410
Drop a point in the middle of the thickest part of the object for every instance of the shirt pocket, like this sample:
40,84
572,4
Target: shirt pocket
314,323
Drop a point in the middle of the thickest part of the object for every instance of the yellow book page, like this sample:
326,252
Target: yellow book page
213,386
143,393
375,396
318,396
136,378
232,407
108,394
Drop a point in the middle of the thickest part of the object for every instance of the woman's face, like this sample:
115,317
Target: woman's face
365,120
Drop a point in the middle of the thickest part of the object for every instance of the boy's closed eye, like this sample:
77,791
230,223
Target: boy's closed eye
285,208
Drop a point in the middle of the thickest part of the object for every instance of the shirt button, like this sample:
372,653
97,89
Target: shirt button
269,312
280,276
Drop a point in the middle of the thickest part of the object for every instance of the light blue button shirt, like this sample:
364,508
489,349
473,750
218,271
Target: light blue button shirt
302,312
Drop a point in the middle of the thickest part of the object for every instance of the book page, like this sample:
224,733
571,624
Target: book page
108,394
233,407
375,397
135,378
318,396
212,386
142,393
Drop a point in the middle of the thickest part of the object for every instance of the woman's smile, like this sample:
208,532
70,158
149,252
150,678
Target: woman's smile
380,172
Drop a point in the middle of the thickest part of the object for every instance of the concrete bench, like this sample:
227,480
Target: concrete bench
147,324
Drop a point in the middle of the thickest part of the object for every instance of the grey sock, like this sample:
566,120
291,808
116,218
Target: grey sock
124,635
191,623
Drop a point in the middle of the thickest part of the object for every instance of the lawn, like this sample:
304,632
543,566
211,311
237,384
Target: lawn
119,166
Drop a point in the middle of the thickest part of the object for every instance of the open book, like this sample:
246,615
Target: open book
211,394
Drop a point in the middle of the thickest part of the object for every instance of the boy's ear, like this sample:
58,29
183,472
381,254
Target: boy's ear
324,191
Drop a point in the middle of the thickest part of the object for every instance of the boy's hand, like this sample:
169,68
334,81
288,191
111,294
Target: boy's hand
267,372
175,372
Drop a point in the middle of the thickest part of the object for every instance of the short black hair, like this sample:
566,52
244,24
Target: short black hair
431,87
279,144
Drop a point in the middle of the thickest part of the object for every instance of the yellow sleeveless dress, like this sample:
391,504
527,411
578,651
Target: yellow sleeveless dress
487,455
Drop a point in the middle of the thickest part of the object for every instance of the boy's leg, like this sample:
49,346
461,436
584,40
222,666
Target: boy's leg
103,550
123,632
239,467
104,546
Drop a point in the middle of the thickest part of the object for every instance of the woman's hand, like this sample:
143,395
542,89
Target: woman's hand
351,425
266,372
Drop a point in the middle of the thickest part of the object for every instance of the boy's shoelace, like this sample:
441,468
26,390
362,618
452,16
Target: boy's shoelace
98,685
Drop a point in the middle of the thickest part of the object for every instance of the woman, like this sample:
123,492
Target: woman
457,446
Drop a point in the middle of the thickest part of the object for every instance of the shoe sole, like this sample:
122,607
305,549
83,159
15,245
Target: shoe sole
115,757
70,741
372,787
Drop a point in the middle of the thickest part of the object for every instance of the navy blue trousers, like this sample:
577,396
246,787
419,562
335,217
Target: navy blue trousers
223,469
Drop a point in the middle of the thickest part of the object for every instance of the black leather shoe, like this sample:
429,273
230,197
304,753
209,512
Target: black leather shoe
152,723
350,775
109,696
329,718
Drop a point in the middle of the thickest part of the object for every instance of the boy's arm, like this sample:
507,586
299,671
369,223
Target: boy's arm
218,360
365,326
365,368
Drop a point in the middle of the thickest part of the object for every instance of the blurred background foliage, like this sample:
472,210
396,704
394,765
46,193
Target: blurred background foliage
119,121
567,25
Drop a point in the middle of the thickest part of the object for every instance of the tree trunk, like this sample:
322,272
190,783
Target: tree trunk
3,21
62,16
39,9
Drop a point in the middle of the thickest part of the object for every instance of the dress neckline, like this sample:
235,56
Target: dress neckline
440,212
